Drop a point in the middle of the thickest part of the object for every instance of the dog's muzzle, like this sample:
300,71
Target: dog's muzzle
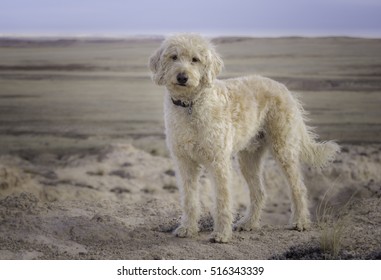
182,79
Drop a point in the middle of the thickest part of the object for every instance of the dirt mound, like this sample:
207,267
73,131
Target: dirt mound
119,202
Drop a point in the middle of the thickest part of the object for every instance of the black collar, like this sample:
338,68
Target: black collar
183,104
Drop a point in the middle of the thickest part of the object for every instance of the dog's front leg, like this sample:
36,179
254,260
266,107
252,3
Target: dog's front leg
187,176
221,173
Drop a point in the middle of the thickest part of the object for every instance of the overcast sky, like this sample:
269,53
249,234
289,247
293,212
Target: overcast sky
213,17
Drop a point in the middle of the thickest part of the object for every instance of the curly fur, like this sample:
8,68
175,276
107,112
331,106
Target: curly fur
244,116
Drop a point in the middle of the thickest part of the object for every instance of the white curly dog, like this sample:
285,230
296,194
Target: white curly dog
209,120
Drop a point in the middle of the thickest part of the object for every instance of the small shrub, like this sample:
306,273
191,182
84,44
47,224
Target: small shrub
333,222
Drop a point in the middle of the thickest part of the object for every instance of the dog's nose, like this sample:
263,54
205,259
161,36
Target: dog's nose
182,78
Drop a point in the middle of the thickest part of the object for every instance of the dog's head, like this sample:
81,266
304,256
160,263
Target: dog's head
185,63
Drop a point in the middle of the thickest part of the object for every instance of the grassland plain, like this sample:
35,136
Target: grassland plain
84,172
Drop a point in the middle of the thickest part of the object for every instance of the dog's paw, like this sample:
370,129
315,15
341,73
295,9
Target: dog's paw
245,226
220,237
302,225
184,231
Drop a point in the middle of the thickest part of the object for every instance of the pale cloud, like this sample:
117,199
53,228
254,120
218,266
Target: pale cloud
261,17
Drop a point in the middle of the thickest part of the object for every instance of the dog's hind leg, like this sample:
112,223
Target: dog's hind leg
251,167
284,127
288,158
188,172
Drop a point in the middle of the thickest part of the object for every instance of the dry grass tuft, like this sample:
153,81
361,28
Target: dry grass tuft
333,221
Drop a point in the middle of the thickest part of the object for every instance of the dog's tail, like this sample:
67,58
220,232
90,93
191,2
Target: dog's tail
318,154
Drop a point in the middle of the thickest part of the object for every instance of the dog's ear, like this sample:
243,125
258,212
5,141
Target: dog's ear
155,65
214,67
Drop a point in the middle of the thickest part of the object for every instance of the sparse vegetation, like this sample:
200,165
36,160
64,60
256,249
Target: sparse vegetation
333,222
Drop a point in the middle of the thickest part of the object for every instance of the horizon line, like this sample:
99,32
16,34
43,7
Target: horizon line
90,36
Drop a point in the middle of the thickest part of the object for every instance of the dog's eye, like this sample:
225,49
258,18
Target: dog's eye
174,57
195,59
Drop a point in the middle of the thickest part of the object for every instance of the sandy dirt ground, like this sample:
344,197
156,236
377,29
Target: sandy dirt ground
84,172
